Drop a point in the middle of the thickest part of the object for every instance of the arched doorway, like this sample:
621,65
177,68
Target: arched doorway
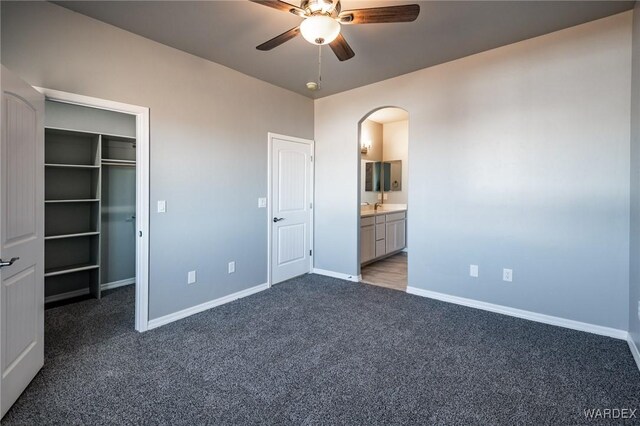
383,138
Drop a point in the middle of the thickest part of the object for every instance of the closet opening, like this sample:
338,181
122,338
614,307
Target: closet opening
383,198
96,202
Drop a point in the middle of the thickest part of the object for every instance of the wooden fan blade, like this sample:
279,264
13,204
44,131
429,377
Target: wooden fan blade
277,41
379,15
281,5
341,48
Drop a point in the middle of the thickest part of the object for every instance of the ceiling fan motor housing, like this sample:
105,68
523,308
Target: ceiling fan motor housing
321,7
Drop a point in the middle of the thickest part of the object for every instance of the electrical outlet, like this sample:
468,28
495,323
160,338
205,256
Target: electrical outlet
232,267
385,196
507,275
191,277
262,202
473,271
162,206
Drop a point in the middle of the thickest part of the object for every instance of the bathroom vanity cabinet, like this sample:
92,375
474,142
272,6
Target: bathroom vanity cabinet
382,233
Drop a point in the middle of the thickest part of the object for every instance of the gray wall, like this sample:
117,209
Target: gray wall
118,232
634,251
519,159
209,129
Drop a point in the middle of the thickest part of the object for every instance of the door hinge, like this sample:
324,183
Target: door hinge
310,205
312,158
310,252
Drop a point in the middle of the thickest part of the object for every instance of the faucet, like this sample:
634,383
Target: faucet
376,205
365,203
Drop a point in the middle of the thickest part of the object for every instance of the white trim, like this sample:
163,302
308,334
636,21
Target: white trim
352,278
116,284
142,188
270,137
634,350
520,313
67,295
157,322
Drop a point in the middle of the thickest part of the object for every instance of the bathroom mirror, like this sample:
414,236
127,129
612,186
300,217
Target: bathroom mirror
375,173
392,175
370,181
372,174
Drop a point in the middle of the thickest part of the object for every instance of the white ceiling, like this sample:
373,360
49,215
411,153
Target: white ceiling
389,115
227,32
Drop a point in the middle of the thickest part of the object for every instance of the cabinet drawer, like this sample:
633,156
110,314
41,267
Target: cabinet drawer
380,218
381,248
366,221
396,216
380,231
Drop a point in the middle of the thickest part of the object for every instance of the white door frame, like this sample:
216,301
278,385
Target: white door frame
271,136
142,188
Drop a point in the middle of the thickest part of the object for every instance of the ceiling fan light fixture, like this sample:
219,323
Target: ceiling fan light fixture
320,29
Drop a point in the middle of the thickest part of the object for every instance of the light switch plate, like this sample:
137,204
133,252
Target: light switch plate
232,267
473,271
162,206
191,277
262,202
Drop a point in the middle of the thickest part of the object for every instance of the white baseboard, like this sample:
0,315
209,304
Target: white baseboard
157,322
116,284
520,313
634,351
354,278
67,295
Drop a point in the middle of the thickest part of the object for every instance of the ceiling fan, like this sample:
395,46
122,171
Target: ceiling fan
323,19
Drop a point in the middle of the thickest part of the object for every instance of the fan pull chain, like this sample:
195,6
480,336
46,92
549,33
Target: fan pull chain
319,66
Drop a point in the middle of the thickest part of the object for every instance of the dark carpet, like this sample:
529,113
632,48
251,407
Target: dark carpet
318,350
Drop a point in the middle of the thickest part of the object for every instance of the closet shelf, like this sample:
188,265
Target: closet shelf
84,200
69,269
88,132
113,160
72,166
79,234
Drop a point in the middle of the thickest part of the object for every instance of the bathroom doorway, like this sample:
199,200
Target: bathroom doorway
383,198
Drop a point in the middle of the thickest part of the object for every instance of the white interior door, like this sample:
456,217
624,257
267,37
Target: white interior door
21,237
291,197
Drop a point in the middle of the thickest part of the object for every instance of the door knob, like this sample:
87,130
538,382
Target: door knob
9,263
277,219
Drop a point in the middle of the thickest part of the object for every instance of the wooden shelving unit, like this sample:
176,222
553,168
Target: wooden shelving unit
72,211
74,162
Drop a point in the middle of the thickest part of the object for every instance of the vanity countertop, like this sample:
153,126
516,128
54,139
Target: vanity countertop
382,210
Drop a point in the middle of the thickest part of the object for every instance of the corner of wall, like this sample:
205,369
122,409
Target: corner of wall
634,228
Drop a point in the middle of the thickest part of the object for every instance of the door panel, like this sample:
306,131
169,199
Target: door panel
292,243
21,236
291,206
292,180
20,171
367,243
